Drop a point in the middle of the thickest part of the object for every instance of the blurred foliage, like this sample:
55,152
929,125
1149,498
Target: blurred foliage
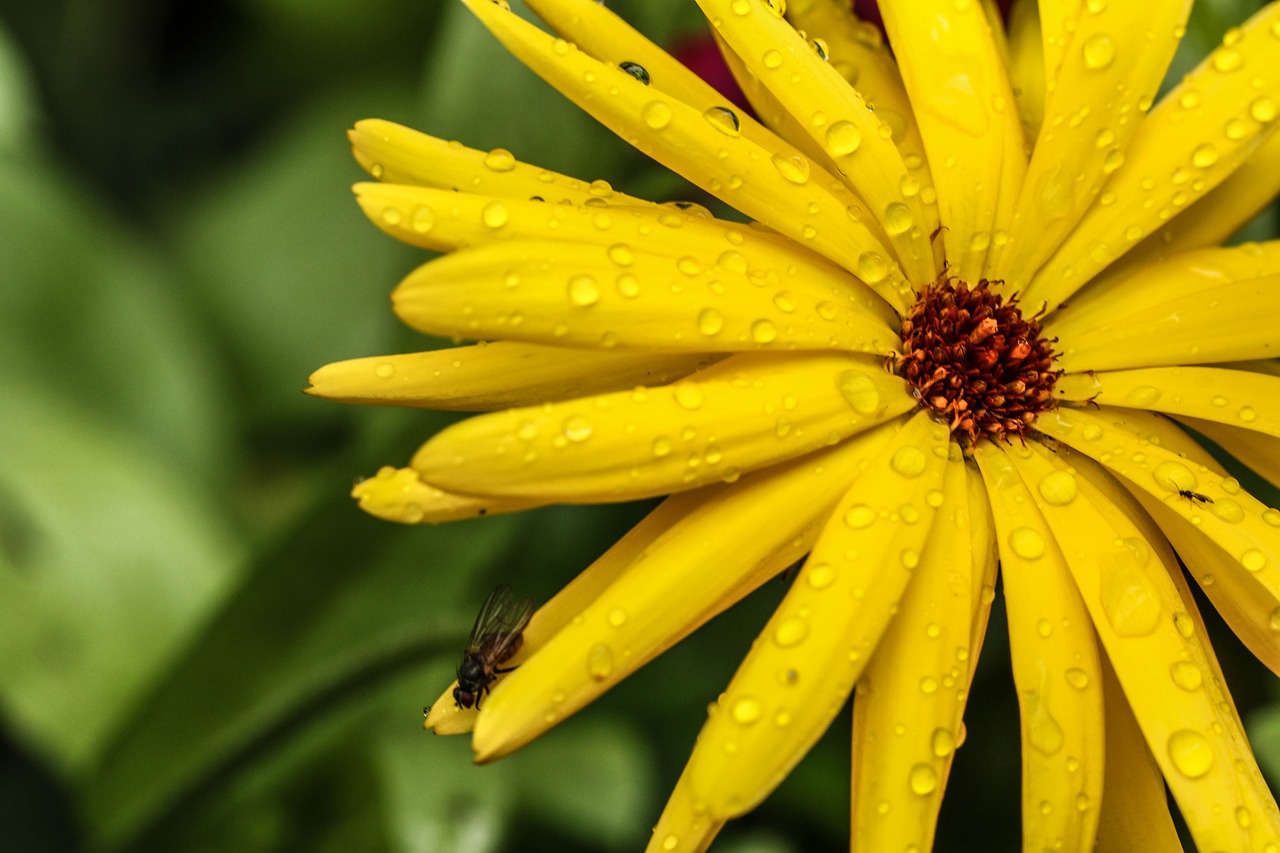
203,645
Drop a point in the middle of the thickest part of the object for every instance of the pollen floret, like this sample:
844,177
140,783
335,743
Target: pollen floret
970,355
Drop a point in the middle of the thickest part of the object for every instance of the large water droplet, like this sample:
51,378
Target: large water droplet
1027,543
1099,51
745,711
724,120
1058,488
636,70
1186,675
843,137
793,167
577,428
584,291
923,779
1130,603
656,114
859,391
908,460
1191,753
790,632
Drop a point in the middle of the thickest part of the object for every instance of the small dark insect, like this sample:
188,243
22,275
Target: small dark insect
496,636
1195,497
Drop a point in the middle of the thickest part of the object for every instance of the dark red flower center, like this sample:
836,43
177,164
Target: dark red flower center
972,357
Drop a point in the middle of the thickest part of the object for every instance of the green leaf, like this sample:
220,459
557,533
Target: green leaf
334,609
110,557
292,273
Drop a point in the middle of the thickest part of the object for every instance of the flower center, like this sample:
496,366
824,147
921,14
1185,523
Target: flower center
972,357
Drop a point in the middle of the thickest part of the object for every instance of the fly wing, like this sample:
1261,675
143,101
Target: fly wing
489,617
502,635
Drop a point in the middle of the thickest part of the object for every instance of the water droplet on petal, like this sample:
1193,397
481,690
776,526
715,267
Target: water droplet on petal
843,137
1027,543
923,779
636,70
600,662
1186,675
1058,488
584,291
656,114
1191,753
500,160
745,711
724,120
790,632
909,461
793,167
859,391
577,429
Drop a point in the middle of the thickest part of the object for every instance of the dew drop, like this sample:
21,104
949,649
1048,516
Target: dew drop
1027,543
859,516
724,120
422,220
843,137
656,114
689,396
1191,753
909,461
583,291
600,662
1186,675
763,331
1058,488
897,218
620,254
1128,600
859,391
1142,396
628,286
872,267
745,711
617,617
576,429
942,742
1099,51
710,321
661,446
790,632
1253,560
385,370
923,779
1077,678
495,214
820,575
636,70
792,167
500,160
1204,156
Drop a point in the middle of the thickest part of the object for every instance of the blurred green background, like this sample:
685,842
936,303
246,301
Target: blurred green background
203,644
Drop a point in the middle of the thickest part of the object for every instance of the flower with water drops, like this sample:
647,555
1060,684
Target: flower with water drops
983,293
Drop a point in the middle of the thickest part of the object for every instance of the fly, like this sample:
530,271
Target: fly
1195,497
495,638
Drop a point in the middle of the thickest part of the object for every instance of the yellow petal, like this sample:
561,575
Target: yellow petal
725,545
1110,71
1227,538
777,186
1055,668
446,718
858,53
1122,291
1198,307
1148,630
486,377
1195,137
1239,398
803,666
968,119
836,119
398,155
1026,65
1261,453
571,294
744,413
907,714
1135,808
400,495
684,826
1221,212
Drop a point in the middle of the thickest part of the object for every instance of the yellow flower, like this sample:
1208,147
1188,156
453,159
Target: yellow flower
982,289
